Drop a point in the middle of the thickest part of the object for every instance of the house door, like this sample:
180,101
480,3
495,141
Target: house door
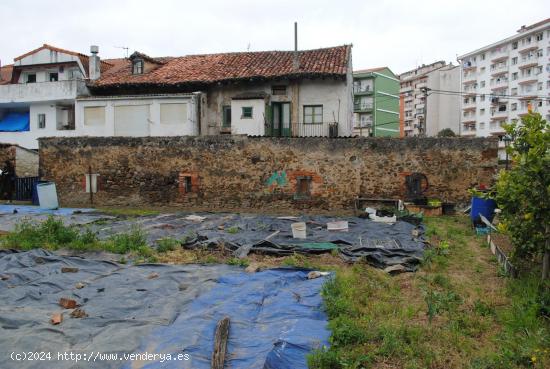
281,119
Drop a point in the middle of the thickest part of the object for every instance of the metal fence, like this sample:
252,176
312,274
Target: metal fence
327,129
316,130
24,188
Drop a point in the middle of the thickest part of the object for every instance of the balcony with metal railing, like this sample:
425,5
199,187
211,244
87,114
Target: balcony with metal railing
498,68
325,129
470,89
499,83
362,90
499,54
469,129
362,106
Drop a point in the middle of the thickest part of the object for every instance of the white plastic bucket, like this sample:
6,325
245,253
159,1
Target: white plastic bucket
341,226
298,230
47,196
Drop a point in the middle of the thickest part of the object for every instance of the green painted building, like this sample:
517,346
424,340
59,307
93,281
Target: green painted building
376,103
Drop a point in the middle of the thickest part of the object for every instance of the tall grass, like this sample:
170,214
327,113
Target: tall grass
52,234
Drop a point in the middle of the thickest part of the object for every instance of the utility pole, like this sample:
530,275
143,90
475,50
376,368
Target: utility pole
424,126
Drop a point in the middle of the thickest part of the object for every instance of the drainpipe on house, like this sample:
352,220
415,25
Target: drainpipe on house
296,88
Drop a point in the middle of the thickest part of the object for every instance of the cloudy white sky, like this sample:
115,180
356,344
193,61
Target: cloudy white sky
399,33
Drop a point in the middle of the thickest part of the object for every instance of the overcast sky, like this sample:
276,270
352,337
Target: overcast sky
399,34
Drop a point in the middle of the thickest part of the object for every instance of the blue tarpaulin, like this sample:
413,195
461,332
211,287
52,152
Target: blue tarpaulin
276,315
276,321
15,122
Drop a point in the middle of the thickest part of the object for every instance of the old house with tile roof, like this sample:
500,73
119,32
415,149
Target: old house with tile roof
56,92
266,93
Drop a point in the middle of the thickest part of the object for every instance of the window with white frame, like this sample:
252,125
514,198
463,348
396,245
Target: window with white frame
313,114
137,66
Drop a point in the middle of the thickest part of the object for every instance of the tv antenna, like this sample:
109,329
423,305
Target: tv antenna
125,48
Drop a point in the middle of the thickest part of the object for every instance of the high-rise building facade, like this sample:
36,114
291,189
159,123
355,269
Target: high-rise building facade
426,107
503,81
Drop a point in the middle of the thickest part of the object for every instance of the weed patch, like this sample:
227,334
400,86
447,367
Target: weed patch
455,312
167,244
52,234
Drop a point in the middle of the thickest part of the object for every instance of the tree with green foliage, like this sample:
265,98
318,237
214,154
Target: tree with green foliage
523,192
447,132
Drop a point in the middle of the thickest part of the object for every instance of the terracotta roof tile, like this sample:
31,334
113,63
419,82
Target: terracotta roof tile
212,68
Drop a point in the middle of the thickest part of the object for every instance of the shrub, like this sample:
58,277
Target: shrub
446,132
524,190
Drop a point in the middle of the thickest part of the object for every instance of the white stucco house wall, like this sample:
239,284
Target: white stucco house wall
40,89
55,92
135,116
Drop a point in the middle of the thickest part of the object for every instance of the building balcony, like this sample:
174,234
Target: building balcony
469,79
496,127
469,66
499,115
503,83
362,91
527,80
470,91
528,63
499,73
362,107
529,47
405,89
498,69
421,85
500,56
42,91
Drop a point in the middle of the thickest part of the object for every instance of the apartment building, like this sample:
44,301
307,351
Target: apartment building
425,107
376,102
504,80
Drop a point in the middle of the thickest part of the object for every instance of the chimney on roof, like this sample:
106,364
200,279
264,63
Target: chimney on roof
94,69
295,60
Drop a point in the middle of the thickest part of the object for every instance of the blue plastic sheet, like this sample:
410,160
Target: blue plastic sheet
276,321
276,315
15,122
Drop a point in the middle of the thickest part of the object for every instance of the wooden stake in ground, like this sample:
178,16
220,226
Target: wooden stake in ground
220,343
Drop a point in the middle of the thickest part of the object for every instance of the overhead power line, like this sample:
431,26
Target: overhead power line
508,97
